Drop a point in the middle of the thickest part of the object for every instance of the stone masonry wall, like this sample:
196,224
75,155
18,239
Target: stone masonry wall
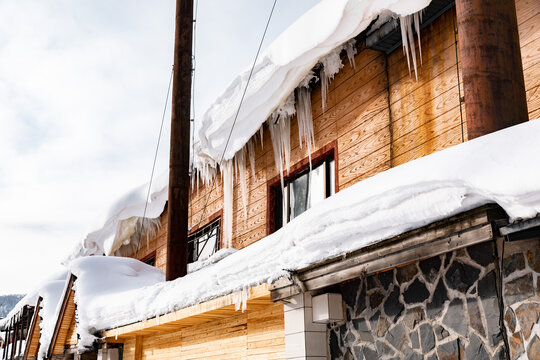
445,307
521,290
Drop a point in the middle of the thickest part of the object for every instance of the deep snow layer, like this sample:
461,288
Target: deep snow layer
52,293
113,282
497,168
282,67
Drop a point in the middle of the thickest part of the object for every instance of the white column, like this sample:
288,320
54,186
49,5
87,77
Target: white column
304,339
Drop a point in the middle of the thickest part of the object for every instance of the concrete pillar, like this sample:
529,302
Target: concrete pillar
490,56
304,339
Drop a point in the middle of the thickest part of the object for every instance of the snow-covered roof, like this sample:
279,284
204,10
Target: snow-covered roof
317,36
121,221
107,282
51,292
496,168
282,67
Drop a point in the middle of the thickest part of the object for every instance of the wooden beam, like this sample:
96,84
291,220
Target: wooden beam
177,245
138,347
65,301
31,329
467,229
222,307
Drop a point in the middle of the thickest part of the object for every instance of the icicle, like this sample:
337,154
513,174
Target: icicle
305,119
407,38
417,20
331,64
403,24
227,175
280,133
251,151
240,300
351,52
261,135
240,160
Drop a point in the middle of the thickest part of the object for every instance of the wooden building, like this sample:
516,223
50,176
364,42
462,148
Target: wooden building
377,116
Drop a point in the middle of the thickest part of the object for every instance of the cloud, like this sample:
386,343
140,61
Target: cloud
82,90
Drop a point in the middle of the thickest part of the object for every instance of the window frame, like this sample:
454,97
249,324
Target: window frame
216,218
327,152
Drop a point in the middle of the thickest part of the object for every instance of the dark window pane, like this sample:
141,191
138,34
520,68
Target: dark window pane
299,191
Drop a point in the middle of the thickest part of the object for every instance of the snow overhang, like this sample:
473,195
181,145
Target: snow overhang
387,37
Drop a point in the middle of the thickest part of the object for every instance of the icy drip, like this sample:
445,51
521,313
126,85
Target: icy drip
279,124
240,300
227,169
240,162
251,152
331,64
351,51
305,119
407,38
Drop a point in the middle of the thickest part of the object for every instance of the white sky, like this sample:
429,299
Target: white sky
82,90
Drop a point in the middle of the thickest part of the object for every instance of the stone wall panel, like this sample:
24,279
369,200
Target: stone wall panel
444,307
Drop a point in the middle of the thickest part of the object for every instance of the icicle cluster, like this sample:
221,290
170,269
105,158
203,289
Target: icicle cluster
407,38
279,125
351,51
331,64
240,299
305,119
227,176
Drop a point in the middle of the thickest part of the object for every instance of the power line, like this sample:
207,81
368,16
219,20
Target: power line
192,128
157,149
239,106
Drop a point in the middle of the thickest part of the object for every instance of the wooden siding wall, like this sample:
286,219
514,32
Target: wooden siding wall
67,322
377,115
528,16
253,335
157,244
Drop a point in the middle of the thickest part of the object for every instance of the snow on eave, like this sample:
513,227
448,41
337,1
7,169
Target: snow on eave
281,68
496,168
130,220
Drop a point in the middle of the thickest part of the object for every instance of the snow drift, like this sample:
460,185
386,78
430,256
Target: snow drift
282,67
317,37
497,168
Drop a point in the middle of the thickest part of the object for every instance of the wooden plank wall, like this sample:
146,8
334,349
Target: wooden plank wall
34,339
72,333
252,335
157,243
426,113
379,116
66,324
528,16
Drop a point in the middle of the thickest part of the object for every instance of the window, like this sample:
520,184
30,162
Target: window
303,190
204,242
150,259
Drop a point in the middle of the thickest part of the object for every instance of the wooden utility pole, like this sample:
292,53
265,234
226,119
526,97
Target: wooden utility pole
177,247
490,57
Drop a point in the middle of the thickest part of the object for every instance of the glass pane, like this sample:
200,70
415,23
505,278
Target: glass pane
299,195
207,244
317,189
331,177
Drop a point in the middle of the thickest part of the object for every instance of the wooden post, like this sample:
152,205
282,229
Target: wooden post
177,248
490,57
138,347
14,340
